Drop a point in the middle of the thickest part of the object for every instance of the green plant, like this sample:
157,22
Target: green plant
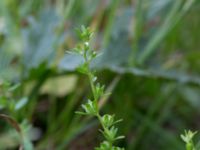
159,37
91,108
188,139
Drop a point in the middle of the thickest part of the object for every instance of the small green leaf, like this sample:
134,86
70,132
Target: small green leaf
99,90
108,120
83,68
90,108
104,146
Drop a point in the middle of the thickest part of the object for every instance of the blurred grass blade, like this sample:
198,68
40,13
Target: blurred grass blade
171,20
137,28
110,21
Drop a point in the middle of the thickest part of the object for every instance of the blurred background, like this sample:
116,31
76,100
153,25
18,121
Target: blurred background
150,62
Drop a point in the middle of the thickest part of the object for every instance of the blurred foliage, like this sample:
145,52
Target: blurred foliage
150,62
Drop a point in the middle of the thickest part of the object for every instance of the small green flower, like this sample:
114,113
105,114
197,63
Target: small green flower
188,139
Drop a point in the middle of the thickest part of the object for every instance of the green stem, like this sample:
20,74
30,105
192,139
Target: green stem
92,85
90,76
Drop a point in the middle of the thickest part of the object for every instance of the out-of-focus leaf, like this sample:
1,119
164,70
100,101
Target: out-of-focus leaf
7,71
26,131
192,95
3,102
115,54
119,47
82,12
8,141
55,86
180,77
157,7
14,87
70,62
21,103
39,39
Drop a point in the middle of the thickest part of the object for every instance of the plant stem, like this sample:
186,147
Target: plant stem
92,85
